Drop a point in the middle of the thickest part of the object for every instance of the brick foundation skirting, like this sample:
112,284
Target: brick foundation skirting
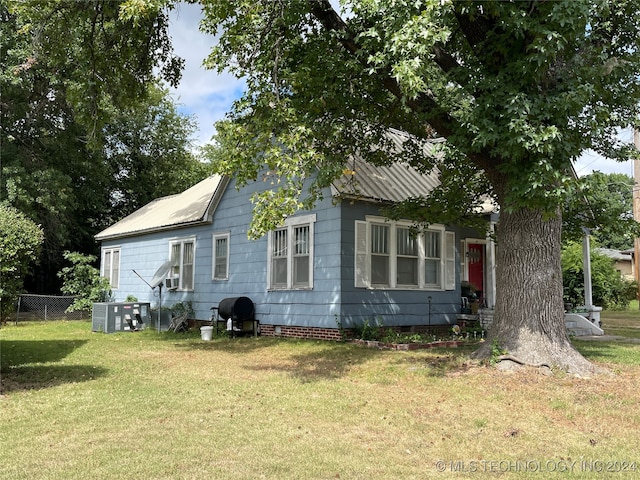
332,334
335,334
300,332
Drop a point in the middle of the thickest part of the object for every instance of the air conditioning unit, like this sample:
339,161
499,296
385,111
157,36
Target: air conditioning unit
117,317
172,283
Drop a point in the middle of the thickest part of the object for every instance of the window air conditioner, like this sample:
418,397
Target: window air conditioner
172,283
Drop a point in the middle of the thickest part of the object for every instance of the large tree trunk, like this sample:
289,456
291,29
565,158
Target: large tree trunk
529,323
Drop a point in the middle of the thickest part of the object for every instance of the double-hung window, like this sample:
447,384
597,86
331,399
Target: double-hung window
390,254
111,265
220,256
380,254
182,255
290,248
407,258
432,258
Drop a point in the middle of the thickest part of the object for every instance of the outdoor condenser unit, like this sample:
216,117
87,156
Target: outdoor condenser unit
120,317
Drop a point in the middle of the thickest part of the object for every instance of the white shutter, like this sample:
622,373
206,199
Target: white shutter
115,269
361,272
449,260
106,265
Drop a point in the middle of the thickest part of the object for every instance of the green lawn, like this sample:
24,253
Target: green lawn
83,405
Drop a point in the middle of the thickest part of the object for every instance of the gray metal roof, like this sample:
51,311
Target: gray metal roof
193,206
393,183
614,254
396,182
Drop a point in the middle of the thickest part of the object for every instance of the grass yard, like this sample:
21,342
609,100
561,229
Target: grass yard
83,405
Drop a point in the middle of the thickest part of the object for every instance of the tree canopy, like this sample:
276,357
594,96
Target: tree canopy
518,90
69,168
20,243
604,204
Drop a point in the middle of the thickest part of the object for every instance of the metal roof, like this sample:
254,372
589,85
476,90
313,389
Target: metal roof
393,183
398,181
362,181
624,255
193,206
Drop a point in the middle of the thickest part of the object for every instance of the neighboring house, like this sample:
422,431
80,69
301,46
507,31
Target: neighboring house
623,261
338,265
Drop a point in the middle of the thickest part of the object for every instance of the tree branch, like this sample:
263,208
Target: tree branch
444,60
474,30
443,123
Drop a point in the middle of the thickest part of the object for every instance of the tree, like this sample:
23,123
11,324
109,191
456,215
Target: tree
100,60
73,172
83,281
20,243
43,149
603,204
609,289
147,154
518,89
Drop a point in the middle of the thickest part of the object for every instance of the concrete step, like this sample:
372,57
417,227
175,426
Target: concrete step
579,332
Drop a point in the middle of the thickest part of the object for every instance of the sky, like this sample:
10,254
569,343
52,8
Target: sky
208,96
203,93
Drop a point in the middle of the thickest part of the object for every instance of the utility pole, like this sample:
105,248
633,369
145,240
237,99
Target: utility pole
636,208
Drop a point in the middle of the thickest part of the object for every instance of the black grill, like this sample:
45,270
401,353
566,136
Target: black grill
237,309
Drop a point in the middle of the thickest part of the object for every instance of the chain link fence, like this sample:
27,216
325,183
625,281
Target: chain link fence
46,307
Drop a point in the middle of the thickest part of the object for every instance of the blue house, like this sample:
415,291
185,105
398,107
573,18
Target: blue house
336,266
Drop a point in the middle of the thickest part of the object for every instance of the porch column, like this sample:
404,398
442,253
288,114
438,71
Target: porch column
490,296
586,259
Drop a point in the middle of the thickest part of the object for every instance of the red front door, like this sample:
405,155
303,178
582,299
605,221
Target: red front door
475,256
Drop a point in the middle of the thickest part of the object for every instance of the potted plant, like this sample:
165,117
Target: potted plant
468,290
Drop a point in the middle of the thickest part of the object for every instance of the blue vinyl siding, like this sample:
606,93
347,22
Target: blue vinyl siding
247,266
391,307
334,298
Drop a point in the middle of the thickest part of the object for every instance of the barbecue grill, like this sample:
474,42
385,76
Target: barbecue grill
239,315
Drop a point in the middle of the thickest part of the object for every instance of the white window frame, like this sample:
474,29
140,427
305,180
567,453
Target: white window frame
289,250
178,270
363,256
113,274
214,256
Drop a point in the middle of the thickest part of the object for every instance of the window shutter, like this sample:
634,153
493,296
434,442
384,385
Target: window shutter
449,260
361,271
106,266
115,269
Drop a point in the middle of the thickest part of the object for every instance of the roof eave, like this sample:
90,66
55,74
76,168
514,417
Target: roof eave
205,219
147,231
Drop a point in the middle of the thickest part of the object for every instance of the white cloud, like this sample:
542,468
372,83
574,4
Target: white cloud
203,93
590,162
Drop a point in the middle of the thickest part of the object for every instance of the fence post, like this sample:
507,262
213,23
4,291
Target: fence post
18,309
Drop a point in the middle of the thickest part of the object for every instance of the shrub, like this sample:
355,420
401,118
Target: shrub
20,243
83,280
367,331
610,290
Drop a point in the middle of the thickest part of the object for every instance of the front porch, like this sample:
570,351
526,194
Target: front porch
478,285
579,324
